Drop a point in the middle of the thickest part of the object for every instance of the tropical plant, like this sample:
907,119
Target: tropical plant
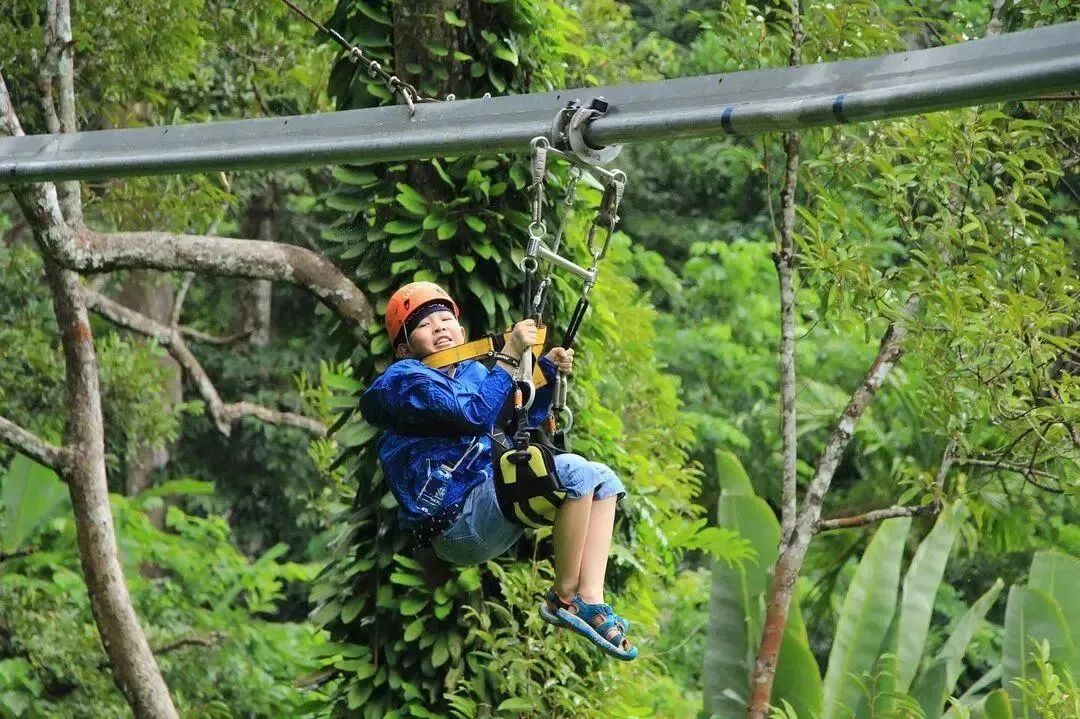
877,666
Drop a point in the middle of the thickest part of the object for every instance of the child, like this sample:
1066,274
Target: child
434,419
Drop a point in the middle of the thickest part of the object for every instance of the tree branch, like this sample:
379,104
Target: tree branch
49,69
877,515
888,355
59,49
88,251
171,338
1028,472
181,295
784,259
202,640
209,339
53,457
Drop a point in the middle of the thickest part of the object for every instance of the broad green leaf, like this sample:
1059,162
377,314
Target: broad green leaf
1031,616
930,690
867,611
31,494
798,678
998,705
733,478
735,600
452,18
956,645
1058,575
920,590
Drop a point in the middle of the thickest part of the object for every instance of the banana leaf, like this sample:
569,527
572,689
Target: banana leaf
798,678
1058,575
868,610
920,590
1031,616
735,604
30,494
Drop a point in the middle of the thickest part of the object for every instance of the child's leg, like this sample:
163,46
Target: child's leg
583,526
569,535
594,557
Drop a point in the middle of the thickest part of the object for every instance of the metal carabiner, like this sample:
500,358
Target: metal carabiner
525,380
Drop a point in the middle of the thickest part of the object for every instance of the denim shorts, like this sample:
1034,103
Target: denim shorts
481,532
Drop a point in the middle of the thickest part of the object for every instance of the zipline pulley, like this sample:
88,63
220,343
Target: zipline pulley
569,128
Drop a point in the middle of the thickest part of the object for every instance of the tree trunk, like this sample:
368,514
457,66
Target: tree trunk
253,315
134,668
151,293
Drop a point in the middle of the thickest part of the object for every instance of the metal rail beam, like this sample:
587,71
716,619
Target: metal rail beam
996,69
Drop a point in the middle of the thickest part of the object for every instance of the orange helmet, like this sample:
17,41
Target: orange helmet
409,299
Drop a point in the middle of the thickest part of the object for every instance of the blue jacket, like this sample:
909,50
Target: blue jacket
426,414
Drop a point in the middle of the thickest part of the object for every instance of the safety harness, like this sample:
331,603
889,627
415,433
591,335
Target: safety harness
527,485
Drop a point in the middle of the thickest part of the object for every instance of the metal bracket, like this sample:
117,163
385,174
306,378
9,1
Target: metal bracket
568,132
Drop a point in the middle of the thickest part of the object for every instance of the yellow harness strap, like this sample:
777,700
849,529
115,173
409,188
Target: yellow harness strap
485,347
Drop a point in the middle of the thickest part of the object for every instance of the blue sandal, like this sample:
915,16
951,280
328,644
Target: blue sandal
596,622
552,603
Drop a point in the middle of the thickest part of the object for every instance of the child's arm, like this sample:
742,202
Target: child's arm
411,398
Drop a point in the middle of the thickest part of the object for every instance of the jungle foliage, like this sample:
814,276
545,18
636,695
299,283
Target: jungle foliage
278,583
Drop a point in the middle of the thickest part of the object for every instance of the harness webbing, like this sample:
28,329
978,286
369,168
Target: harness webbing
485,347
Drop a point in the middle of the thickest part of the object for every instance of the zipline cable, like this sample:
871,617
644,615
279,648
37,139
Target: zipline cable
394,84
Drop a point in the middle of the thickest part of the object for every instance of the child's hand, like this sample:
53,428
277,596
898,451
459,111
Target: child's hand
522,337
563,359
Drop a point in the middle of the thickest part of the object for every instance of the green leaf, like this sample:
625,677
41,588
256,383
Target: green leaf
411,606
347,202
956,646
998,706
413,206
1031,616
504,52
373,13
453,19
475,223
438,49
404,244
350,176
439,653
414,630
466,262
865,617
798,679
930,690
447,230
401,227
469,579
920,590
31,494
352,609
735,614
406,580
1058,575
733,478
516,704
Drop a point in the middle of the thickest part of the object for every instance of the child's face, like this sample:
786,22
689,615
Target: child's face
436,332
